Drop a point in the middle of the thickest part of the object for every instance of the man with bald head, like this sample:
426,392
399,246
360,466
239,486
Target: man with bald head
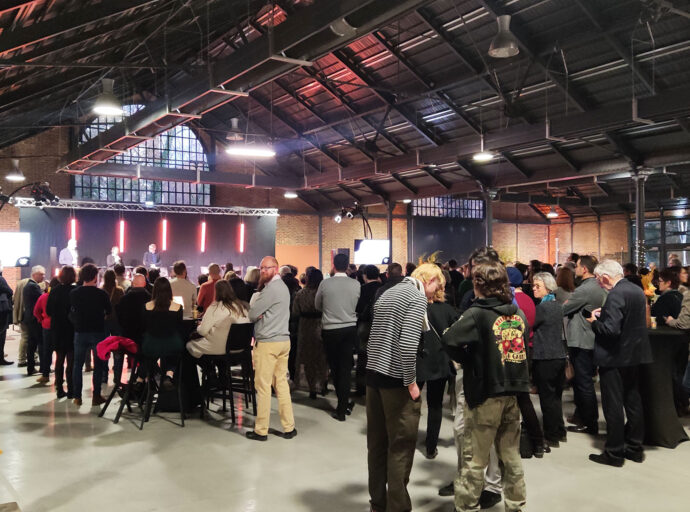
269,309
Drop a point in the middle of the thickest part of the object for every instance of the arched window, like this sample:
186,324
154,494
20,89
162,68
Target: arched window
178,148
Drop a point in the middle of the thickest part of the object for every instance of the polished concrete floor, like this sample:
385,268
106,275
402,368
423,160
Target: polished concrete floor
57,457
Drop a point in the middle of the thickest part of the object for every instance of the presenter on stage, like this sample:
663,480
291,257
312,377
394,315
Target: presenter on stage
152,259
113,258
69,255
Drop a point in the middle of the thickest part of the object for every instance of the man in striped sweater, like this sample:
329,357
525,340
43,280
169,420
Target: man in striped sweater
393,399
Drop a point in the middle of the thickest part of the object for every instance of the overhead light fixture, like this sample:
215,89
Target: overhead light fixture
342,28
482,156
235,135
504,44
251,150
15,175
553,214
407,201
290,194
338,218
107,103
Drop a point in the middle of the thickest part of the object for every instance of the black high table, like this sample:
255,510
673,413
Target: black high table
662,426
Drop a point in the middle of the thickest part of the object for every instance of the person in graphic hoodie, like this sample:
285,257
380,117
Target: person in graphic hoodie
488,340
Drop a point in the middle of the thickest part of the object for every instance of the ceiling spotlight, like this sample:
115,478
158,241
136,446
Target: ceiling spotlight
342,28
338,218
407,201
43,196
15,175
553,214
290,194
235,134
482,156
251,150
107,103
504,44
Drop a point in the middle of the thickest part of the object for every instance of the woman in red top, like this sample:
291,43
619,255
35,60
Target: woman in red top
44,320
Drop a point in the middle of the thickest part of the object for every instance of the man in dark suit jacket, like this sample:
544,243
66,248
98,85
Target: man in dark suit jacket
621,344
30,294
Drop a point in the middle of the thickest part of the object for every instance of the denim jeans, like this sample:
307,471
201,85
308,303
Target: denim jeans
85,342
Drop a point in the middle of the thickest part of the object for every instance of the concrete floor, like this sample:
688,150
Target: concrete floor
56,457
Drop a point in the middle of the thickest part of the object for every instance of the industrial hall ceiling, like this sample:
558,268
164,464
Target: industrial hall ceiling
373,101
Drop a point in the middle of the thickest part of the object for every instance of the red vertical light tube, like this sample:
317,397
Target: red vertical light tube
241,237
203,236
73,228
122,235
164,241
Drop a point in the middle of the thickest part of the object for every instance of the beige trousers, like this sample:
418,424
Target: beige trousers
271,369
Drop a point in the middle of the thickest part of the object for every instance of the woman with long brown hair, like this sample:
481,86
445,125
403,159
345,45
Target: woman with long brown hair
112,327
226,310
163,329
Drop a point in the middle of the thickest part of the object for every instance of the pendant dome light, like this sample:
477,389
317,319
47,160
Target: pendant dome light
553,214
483,155
107,103
504,44
15,175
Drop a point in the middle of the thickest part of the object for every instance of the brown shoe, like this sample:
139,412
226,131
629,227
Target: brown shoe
77,402
97,400
42,379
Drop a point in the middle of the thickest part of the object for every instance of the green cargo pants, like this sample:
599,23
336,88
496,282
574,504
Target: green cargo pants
496,421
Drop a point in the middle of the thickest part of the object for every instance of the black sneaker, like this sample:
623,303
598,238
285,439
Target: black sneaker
431,454
339,417
447,490
5,362
488,499
255,437
350,406
61,393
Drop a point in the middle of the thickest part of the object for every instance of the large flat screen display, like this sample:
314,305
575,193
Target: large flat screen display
13,246
371,252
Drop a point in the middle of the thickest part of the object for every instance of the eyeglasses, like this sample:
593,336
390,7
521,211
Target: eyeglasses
266,268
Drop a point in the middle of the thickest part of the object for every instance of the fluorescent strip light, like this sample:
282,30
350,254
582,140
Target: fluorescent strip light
165,235
203,236
248,150
122,236
241,237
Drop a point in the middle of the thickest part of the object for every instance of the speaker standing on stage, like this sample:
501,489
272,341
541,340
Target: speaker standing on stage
151,258
113,258
69,255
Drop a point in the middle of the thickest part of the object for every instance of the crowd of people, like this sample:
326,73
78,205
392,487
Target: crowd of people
488,333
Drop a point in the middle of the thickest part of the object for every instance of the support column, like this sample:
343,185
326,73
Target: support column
320,242
639,220
489,195
389,225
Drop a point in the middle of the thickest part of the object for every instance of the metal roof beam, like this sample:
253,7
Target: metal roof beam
684,124
11,5
283,118
435,175
376,190
540,213
624,148
516,165
440,95
646,78
405,183
349,192
419,126
25,36
563,84
310,108
308,201
565,156
213,178
350,107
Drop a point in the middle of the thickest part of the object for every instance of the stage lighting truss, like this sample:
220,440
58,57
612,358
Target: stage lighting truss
26,202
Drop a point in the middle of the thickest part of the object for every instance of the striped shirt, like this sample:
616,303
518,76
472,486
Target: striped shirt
399,316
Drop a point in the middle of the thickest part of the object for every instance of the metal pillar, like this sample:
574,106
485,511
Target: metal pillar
639,220
389,225
320,241
489,196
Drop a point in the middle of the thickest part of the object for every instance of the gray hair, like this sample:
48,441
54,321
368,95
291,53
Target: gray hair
609,268
547,279
38,268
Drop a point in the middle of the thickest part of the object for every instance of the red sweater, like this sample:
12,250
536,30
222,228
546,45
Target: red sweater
40,311
207,294
528,308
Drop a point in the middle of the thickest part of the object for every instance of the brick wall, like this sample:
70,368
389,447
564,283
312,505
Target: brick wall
524,242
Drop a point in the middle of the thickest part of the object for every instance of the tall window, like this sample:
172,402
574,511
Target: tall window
178,148
448,206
